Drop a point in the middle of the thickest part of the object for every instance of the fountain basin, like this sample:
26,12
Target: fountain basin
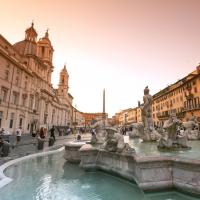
72,153
151,173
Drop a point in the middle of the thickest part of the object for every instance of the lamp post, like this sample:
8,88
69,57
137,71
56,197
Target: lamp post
75,119
126,115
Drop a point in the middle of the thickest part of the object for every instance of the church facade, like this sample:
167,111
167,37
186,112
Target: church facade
27,97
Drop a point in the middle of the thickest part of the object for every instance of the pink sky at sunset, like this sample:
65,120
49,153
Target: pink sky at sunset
120,45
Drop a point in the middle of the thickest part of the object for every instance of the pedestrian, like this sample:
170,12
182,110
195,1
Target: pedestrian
42,133
78,137
41,139
4,147
2,131
68,131
52,133
19,134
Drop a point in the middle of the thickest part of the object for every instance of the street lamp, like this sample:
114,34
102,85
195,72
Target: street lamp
75,119
125,121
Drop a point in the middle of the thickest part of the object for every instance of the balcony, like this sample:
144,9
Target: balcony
181,114
162,116
191,107
189,96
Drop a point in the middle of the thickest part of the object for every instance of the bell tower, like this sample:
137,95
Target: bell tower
31,34
45,53
45,49
63,83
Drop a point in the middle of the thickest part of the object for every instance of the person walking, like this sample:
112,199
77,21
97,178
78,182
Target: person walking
52,133
4,147
18,134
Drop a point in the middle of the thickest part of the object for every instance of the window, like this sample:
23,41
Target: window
46,107
171,104
6,75
17,81
43,51
31,102
195,102
26,82
4,93
195,90
11,120
25,85
1,117
63,79
15,97
24,100
45,118
20,121
37,102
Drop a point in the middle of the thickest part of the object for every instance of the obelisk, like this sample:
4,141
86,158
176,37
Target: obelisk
104,113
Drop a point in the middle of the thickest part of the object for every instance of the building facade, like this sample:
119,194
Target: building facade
27,97
127,117
182,98
91,118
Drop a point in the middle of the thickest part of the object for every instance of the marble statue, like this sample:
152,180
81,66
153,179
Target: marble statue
99,129
173,137
149,133
137,128
192,129
93,138
115,142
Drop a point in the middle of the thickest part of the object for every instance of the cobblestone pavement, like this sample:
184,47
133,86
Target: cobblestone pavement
28,145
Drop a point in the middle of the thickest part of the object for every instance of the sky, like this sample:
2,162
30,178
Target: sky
119,45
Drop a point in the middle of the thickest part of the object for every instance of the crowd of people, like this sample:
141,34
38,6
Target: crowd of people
39,137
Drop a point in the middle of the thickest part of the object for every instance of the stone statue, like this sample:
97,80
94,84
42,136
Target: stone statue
192,129
93,138
136,129
115,142
173,137
147,110
4,147
100,132
149,134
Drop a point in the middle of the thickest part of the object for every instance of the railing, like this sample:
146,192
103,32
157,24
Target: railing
162,116
191,107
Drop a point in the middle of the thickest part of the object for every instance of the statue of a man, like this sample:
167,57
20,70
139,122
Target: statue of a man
174,137
146,109
171,126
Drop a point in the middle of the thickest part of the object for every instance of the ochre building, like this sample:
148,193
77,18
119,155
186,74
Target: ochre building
182,98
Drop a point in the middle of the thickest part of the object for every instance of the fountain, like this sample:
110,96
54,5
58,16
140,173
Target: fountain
149,133
107,151
192,128
173,138
114,142
137,130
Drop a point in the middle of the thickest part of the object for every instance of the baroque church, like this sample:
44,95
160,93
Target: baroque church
27,97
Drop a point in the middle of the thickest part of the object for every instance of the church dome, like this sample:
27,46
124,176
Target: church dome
28,45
